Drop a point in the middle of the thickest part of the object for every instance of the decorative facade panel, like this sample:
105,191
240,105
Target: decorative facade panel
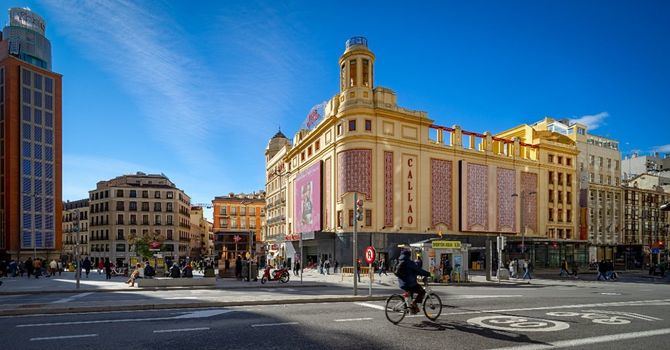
354,172
478,197
327,191
505,186
441,195
528,185
388,189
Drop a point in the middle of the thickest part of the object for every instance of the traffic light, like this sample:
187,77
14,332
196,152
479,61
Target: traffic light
359,210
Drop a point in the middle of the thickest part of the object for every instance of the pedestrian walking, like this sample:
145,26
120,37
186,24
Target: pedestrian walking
602,270
30,267
337,264
53,266
326,264
575,269
37,265
564,269
527,270
382,267
13,268
512,271
108,269
296,267
87,266
101,266
321,266
238,267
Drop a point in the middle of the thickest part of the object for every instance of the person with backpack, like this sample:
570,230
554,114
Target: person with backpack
407,272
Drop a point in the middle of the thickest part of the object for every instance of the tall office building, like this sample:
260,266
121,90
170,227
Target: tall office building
30,140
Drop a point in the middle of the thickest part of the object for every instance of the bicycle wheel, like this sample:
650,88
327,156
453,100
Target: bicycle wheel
432,306
396,309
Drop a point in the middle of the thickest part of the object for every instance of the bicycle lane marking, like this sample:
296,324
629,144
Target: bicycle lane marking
589,341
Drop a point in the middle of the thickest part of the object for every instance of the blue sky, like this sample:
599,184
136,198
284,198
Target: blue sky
196,91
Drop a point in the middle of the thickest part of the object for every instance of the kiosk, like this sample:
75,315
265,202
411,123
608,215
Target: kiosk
447,261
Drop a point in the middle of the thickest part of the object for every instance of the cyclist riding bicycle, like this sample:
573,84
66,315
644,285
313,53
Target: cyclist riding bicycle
407,271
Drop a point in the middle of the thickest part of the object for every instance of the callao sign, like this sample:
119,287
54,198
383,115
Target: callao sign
25,18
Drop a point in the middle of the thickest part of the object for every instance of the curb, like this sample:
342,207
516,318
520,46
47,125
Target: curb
201,305
132,289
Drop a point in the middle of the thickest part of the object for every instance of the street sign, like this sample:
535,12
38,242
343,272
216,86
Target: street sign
370,254
446,244
655,250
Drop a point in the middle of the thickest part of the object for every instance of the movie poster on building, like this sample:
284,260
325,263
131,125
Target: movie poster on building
307,200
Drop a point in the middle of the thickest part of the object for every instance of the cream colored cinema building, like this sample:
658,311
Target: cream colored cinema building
418,180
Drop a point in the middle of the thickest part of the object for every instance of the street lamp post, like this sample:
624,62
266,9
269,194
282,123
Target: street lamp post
76,246
523,214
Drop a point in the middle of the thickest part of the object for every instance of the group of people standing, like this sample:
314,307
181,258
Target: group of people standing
37,267
523,268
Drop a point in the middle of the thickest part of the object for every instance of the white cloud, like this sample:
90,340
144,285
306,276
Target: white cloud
663,148
151,57
591,121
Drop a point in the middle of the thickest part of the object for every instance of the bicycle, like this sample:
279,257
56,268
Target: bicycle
398,305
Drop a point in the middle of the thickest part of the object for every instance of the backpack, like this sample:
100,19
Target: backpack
399,269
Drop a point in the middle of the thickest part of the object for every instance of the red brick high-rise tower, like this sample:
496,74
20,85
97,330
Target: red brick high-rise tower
30,141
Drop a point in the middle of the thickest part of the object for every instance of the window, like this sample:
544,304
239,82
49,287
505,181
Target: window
233,210
252,211
119,193
551,158
353,73
339,218
145,219
145,194
568,197
592,177
168,233
339,129
168,207
366,73
560,196
133,219
169,220
551,196
145,206
551,214
157,207
609,163
560,160
223,210
600,162
560,179
343,79
351,218
568,161
368,217
368,125
317,146
560,215
243,223
600,178
169,195
119,205
309,151
132,206
568,179
119,219
609,180
568,215
302,156
157,194
352,125
551,177
581,131
157,219
119,234
243,210
591,160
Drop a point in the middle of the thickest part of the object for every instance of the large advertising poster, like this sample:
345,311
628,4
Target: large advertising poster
307,200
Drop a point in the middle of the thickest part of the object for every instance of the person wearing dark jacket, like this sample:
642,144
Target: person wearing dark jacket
174,271
407,272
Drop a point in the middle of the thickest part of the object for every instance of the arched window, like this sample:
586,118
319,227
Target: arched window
366,73
353,73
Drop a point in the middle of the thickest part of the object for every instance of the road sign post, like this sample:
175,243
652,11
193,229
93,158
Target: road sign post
370,258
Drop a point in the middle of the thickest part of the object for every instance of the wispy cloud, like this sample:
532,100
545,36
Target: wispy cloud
663,148
591,121
149,55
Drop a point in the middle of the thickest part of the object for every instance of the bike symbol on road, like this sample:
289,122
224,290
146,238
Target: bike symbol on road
605,317
516,323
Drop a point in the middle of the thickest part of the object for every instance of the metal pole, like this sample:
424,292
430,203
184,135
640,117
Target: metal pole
370,274
523,226
498,246
301,259
354,244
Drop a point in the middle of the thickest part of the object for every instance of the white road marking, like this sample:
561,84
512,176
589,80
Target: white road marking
610,293
195,314
374,306
627,314
274,324
179,298
590,340
516,324
65,337
71,298
354,319
181,330
483,296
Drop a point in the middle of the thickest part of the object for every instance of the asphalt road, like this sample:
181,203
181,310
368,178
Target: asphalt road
593,316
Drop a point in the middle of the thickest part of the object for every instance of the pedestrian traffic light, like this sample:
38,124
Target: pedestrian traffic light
359,210
502,242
